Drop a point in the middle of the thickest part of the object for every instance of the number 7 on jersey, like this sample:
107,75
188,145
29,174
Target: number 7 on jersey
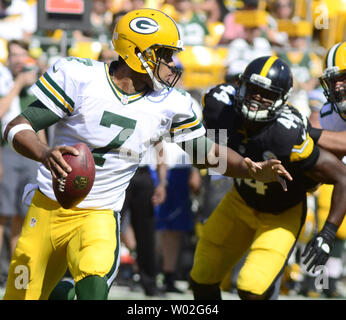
109,118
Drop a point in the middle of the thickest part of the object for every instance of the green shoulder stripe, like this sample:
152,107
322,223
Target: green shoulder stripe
178,124
58,89
184,131
52,97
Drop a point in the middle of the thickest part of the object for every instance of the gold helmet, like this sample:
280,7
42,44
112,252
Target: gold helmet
335,71
142,37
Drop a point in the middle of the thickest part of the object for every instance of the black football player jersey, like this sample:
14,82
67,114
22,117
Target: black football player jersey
286,138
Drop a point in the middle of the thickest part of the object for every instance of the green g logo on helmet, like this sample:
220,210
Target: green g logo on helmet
144,25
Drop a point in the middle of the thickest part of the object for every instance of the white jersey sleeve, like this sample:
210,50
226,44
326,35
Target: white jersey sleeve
186,124
58,88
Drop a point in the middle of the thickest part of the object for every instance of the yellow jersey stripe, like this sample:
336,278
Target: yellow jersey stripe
184,126
302,151
55,93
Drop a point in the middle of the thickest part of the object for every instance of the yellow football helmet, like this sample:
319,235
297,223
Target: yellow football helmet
142,37
335,71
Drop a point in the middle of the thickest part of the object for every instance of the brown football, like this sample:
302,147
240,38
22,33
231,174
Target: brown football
78,183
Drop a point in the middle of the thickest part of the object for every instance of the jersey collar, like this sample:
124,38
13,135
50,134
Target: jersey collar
122,96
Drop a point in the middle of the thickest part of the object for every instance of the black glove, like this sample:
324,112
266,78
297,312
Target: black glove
319,247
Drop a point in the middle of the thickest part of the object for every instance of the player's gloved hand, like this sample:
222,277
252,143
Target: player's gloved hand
318,249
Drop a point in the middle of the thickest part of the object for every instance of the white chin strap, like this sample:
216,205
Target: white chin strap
158,86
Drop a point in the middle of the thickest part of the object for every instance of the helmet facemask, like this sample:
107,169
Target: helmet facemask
157,56
258,100
334,86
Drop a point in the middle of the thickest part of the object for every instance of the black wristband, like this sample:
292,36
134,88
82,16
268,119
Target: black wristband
315,134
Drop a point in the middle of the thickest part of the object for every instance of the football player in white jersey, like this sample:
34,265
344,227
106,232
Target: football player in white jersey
333,137
118,111
333,113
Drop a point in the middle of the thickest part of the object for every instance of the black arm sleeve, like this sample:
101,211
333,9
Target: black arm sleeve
315,133
39,115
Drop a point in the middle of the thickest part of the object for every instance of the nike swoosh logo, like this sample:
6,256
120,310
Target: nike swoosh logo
55,69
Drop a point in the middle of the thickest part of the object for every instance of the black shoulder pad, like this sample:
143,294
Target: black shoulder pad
215,102
294,140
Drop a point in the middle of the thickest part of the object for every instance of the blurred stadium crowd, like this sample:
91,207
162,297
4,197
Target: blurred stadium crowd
220,37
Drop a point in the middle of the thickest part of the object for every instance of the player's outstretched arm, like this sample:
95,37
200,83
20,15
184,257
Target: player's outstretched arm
207,154
334,142
23,138
330,170
266,171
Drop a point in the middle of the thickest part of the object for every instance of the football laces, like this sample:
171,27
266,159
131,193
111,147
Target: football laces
61,182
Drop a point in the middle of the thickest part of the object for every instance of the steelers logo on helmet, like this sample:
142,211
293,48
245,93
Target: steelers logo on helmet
264,89
144,25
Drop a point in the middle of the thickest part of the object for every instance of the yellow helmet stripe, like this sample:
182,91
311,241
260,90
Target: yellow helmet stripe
267,66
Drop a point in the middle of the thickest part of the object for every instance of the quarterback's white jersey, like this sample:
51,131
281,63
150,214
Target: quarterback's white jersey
118,128
332,120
